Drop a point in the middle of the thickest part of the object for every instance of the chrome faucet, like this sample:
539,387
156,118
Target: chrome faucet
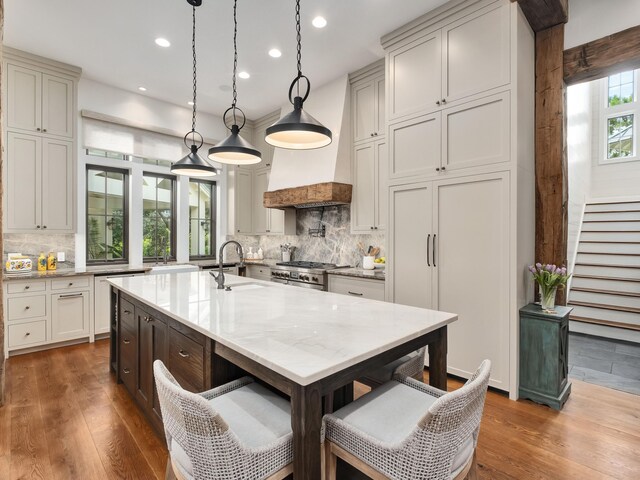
220,277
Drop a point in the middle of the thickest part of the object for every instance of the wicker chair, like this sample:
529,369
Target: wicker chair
238,430
407,430
411,365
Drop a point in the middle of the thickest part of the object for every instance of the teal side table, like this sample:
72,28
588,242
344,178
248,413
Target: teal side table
544,343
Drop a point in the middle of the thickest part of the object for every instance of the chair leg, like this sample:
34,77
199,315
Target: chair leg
330,461
473,471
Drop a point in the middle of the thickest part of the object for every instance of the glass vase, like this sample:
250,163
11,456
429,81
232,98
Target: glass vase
548,298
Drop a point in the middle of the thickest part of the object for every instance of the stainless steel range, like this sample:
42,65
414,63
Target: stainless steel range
302,274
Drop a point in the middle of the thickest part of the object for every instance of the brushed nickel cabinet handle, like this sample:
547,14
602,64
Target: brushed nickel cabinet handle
71,295
27,307
126,371
126,341
127,312
27,334
434,249
183,354
356,294
428,240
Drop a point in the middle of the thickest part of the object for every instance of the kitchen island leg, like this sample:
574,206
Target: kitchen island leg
306,421
438,360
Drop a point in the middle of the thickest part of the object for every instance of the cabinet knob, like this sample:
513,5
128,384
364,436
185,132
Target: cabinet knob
148,319
375,134
38,129
27,287
437,169
71,284
27,307
444,168
438,102
44,129
44,226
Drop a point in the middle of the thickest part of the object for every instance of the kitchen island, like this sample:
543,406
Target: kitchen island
307,344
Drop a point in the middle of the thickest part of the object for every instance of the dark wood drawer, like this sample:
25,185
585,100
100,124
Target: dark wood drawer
128,343
128,315
128,368
186,361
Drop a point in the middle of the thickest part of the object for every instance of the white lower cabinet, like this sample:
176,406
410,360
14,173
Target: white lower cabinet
69,316
259,272
102,302
357,287
43,311
449,251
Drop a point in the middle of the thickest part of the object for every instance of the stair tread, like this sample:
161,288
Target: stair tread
614,202
604,291
609,323
614,211
608,265
601,277
604,306
611,221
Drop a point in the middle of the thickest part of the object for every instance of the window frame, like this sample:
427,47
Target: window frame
607,113
174,197
125,216
214,219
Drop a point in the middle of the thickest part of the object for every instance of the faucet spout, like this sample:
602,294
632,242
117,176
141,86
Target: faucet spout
220,277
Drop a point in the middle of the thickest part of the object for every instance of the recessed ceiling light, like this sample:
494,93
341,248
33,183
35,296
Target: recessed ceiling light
190,103
319,22
244,75
275,53
163,42
142,89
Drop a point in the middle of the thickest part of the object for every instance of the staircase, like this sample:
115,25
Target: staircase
605,288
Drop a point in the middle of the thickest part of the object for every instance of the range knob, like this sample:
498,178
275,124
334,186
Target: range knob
304,277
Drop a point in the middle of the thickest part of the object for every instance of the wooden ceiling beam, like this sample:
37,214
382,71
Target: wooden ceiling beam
542,14
603,57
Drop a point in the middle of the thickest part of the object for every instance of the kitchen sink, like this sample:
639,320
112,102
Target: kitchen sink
158,269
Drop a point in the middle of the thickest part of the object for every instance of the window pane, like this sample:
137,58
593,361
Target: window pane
157,216
96,187
201,222
95,237
621,87
614,79
114,245
626,93
620,136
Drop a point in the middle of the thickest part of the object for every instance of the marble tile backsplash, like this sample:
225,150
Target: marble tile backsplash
32,244
339,246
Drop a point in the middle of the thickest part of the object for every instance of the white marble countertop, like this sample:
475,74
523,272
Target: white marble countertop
303,334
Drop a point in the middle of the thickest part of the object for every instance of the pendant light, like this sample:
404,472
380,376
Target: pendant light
193,164
235,149
298,130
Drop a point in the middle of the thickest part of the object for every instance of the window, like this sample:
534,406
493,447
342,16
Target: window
106,214
621,109
202,218
158,216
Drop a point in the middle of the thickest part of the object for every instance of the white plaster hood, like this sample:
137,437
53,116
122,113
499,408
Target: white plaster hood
330,164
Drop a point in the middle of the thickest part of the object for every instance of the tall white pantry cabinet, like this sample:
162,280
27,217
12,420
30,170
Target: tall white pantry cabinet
461,223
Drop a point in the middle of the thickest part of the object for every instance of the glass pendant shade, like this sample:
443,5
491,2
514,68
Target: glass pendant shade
235,150
193,165
298,130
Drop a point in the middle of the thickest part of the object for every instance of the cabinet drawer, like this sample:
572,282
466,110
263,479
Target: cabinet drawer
128,371
70,283
357,287
32,306
127,315
128,343
25,334
259,272
186,360
26,287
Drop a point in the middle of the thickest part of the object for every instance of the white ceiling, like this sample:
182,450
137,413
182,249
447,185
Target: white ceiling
113,42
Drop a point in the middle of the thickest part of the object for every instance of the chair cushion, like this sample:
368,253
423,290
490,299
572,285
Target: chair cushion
384,373
256,415
391,412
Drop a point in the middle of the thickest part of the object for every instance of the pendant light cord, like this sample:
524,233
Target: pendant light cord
235,59
299,40
193,49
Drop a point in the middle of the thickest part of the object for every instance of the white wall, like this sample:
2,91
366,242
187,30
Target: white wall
593,19
144,110
579,157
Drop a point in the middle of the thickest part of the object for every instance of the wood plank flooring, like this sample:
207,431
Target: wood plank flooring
66,418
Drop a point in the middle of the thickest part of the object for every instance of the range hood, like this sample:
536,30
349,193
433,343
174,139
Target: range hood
321,177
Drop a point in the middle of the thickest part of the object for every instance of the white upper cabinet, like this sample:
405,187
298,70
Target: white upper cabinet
414,146
464,58
364,192
39,102
368,108
23,195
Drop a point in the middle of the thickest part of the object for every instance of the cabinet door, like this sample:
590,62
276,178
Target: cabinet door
363,98
415,78
476,54
101,305
152,345
414,146
243,201
471,223
23,173
382,184
476,133
381,110
57,185
409,268
69,316
24,98
57,106
364,188
260,214
265,149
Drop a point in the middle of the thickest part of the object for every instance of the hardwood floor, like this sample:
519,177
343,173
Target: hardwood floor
66,418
